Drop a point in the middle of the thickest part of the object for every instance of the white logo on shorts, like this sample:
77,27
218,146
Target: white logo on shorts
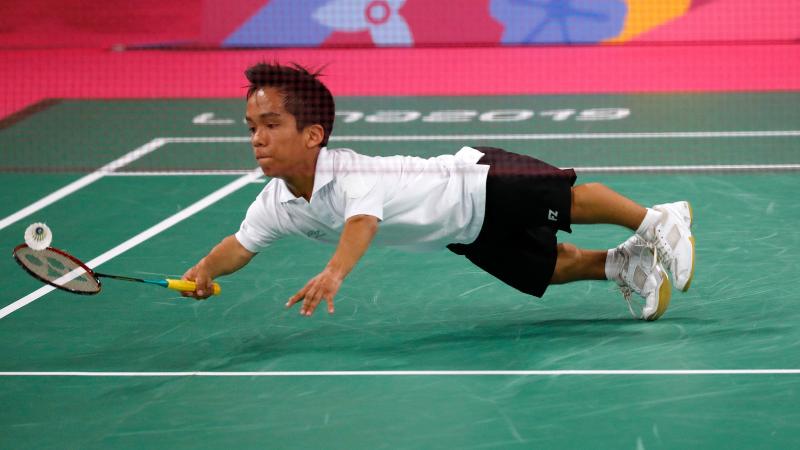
552,215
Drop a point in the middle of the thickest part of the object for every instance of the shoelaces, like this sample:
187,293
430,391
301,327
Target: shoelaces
627,291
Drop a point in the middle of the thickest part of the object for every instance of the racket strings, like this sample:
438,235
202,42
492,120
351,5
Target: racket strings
52,267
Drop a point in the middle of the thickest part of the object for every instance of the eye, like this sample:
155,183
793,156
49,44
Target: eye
272,125
252,130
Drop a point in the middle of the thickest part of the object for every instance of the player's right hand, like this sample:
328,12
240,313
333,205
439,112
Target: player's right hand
204,282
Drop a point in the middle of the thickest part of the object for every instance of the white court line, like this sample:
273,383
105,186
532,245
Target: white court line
569,136
410,373
520,136
198,206
690,168
181,173
83,182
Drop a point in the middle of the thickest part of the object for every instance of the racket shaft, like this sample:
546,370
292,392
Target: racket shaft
188,286
120,277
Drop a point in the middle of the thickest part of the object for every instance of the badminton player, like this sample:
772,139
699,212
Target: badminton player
499,209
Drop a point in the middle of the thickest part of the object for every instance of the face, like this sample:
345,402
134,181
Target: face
280,149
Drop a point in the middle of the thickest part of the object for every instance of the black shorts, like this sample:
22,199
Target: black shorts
527,202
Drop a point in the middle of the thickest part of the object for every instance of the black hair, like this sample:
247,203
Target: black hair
304,96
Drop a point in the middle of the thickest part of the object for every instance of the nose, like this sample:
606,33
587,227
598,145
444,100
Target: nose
258,139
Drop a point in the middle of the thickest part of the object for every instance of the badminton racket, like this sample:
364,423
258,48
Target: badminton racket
66,272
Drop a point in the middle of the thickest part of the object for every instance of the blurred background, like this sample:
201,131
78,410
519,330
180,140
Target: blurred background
165,49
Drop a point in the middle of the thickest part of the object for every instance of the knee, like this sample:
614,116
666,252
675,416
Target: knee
568,253
583,196
584,191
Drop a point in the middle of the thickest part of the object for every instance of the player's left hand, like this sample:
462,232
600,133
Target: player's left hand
323,286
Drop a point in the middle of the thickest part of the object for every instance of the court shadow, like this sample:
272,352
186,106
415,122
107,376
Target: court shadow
453,344
541,331
382,346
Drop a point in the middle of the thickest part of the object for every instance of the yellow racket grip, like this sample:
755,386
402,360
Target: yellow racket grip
188,286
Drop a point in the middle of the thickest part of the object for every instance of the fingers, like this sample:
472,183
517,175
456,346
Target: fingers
204,287
311,301
204,284
311,295
310,298
299,295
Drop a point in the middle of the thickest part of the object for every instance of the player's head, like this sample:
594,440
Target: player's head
304,96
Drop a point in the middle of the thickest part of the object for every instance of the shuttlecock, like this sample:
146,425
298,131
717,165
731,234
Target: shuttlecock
38,236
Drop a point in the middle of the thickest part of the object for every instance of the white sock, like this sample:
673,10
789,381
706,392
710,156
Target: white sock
645,229
613,268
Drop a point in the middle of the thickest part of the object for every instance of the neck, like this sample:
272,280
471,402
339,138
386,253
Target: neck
301,186
301,183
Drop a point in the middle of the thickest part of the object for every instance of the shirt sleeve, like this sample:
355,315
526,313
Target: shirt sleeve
363,192
259,227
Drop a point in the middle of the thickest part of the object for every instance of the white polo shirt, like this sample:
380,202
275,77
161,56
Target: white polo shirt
422,204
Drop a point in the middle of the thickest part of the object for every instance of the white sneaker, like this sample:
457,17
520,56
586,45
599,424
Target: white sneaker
673,238
636,269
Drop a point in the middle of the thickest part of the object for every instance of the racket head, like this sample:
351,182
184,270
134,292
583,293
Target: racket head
51,265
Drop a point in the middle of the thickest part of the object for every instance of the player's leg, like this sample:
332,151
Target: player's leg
597,203
574,264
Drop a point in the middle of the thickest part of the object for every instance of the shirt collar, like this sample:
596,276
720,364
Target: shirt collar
323,174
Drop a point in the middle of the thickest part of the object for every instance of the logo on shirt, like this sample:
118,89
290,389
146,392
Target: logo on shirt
315,234
552,215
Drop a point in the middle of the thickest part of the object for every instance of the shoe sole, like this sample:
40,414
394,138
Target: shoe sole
664,296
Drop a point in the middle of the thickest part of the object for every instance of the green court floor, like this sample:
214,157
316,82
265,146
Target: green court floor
425,350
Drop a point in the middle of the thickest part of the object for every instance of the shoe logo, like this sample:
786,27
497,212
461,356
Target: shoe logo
552,215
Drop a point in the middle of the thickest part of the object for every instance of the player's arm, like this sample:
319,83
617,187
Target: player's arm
226,257
356,236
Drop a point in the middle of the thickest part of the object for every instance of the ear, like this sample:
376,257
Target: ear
313,135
